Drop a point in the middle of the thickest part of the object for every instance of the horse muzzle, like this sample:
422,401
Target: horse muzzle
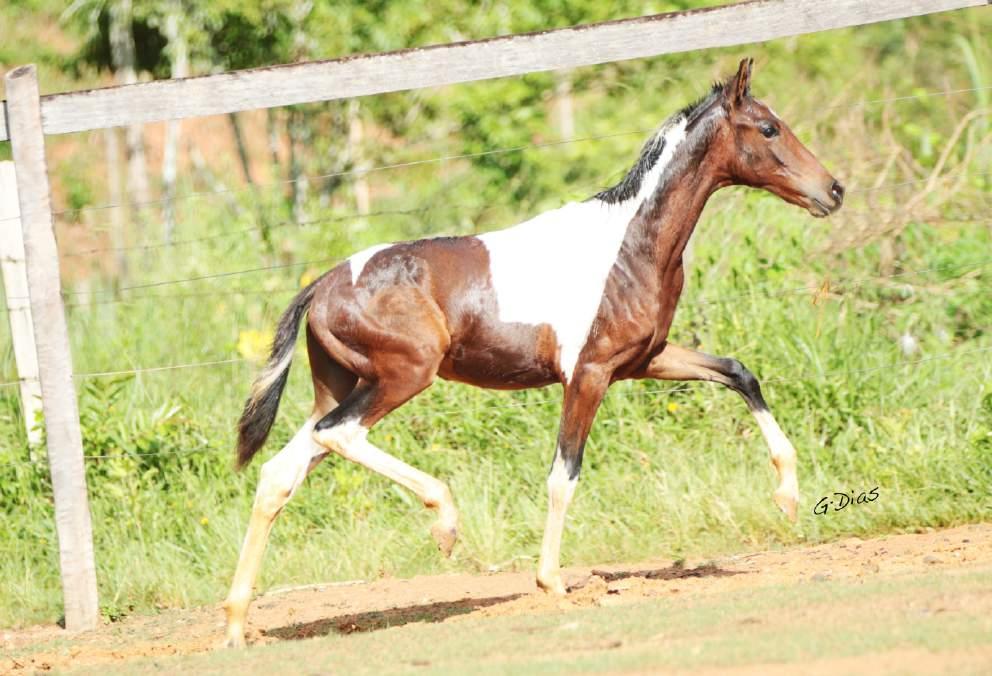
827,203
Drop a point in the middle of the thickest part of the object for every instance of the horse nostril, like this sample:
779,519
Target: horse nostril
837,190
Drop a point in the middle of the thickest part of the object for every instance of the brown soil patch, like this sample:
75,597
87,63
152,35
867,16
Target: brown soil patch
346,608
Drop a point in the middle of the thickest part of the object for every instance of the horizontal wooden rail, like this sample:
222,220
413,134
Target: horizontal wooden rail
723,26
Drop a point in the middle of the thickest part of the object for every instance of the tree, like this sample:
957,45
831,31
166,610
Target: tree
122,54
178,49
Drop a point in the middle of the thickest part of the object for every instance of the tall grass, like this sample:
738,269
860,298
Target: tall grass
671,470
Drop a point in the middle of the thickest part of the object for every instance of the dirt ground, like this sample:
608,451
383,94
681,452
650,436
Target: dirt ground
346,608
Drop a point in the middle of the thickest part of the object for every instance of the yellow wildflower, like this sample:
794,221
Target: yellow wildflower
672,407
307,277
253,345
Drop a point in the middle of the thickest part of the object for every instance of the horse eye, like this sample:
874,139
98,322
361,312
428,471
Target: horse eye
768,130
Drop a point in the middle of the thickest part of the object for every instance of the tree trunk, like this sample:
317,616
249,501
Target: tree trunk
297,123
564,108
207,177
118,235
122,55
239,141
356,135
296,128
272,131
180,69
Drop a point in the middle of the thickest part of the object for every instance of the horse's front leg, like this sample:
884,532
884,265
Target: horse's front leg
679,363
583,394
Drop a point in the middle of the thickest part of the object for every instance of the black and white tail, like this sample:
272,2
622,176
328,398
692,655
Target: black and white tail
263,402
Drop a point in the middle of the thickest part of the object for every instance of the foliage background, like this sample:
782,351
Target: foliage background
870,330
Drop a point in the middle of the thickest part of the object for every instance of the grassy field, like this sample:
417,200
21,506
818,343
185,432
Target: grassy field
817,309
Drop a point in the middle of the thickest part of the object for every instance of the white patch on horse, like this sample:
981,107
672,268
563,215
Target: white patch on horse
553,268
358,261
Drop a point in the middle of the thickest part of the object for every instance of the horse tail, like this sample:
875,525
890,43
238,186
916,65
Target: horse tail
263,402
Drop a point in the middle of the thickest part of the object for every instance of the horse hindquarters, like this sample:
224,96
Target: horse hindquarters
399,355
399,336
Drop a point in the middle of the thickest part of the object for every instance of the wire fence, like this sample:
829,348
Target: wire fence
827,286
347,218
834,285
361,171
490,406
418,211
324,261
818,290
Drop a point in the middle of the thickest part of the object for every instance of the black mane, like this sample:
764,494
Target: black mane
630,185
700,104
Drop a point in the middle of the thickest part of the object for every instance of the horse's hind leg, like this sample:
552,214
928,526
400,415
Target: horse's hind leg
679,363
344,431
279,479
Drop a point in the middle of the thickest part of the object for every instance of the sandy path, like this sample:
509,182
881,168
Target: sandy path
354,607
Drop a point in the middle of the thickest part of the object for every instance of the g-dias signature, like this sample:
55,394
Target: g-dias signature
842,500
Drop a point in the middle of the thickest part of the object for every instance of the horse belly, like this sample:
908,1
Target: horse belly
503,356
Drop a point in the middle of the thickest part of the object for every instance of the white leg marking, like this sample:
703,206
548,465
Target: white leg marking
279,479
349,440
784,458
553,268
560,491
286,470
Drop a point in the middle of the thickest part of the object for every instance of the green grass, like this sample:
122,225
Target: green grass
782,627
670,470
656,482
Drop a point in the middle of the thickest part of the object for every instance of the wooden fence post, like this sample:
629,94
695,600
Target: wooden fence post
15,285
65,442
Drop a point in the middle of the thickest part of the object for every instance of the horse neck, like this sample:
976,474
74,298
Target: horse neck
665,221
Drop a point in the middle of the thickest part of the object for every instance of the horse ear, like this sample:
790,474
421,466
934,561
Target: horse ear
739,88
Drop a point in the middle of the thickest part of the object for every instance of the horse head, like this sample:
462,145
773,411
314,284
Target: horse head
762,152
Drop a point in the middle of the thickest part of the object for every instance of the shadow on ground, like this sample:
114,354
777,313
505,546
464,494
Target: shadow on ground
673,572
383,619
438,612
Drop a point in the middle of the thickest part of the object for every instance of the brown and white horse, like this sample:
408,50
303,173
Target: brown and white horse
583,296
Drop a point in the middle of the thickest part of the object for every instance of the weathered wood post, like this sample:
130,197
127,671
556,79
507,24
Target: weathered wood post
64,438
15,285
